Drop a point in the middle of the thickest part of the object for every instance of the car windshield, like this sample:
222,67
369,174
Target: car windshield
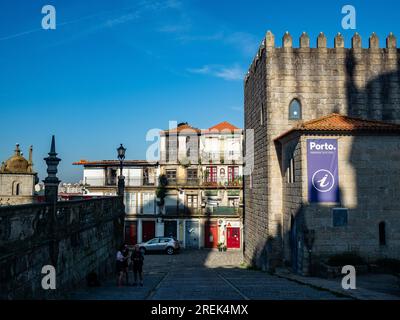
153,241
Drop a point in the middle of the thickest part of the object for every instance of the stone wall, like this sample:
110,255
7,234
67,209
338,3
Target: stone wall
76,237
356,81
26,188
292,192
369,167
255,195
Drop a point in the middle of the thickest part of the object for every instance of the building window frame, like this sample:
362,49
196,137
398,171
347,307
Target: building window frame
295,110
171,175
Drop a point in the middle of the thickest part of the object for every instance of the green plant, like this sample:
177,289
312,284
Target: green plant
161,191
346,258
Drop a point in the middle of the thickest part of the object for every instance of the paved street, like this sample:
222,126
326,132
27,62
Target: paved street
203,275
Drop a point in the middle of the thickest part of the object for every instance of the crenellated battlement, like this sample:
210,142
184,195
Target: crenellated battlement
268,46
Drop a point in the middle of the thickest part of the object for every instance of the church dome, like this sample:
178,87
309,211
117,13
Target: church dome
17,163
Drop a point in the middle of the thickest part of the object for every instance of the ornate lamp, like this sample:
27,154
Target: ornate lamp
121,179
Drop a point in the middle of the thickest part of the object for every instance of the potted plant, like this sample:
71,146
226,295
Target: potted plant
224,248
161,191
221,246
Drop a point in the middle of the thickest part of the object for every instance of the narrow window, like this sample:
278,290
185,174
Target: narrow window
382,234
262,115
291,171
15,189
295,110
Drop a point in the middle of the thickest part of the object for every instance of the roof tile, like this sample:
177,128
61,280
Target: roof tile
341,123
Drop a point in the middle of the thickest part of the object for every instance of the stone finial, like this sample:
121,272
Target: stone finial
17,150
51,182
304,40
391,41
373,41
321,40
356,41
269,40
31,154
339,41
287,40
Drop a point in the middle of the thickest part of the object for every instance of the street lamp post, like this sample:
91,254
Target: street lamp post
121,179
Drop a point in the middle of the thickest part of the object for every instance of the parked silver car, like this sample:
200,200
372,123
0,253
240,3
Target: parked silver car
161,244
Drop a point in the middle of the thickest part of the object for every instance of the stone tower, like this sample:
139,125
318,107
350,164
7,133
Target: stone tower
356,81
17,179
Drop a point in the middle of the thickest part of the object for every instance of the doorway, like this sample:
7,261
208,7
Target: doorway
211,234
148,230
192,234
233,238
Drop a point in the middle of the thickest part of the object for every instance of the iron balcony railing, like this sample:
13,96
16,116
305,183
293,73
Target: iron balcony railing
113,182
207,211
204,158
171,182
210,182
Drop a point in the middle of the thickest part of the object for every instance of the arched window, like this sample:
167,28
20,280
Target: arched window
295,110
16,189
382,233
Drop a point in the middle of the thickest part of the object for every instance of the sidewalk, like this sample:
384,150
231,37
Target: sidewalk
335,287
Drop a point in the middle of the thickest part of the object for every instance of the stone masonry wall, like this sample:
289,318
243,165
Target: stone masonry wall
26,183
292,192
76,237
369,167
255,195
357,82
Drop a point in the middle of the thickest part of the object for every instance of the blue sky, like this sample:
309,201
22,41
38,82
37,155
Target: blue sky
112,70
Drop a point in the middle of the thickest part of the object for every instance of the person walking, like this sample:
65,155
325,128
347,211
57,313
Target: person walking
120,265
137,264
125,253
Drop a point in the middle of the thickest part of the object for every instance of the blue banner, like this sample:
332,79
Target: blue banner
322,169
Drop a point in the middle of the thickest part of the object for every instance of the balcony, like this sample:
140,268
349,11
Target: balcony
221,158
198,182
218,157
208,211
113,182
223,210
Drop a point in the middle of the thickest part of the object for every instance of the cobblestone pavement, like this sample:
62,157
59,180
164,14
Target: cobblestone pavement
204,275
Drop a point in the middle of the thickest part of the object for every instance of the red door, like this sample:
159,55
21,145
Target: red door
233,238
211,235
131,233
148,230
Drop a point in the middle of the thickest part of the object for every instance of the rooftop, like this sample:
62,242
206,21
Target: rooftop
222,127
112,163
340,123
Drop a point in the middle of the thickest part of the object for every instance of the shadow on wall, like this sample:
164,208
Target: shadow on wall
376,192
